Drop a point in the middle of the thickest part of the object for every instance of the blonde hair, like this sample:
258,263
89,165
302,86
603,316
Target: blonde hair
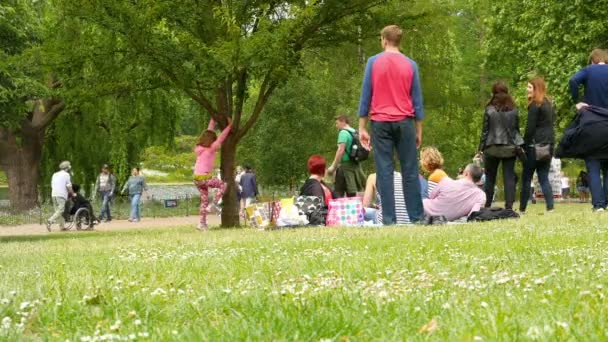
392,34
598,56
431,159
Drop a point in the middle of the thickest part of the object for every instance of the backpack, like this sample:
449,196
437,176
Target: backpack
357,153
490,214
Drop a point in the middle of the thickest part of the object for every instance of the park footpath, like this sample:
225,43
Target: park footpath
114,225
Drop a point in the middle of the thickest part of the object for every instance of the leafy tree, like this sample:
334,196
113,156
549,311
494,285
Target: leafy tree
28,97
227,56
552,39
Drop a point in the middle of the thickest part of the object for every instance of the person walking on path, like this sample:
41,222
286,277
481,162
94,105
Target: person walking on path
565,186
350,178
500,141
135,185
206,149
105,186
595,80
539,130
391,98
249,187
61,190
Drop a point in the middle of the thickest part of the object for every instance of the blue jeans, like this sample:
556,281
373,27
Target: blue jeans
371,215
542,169
135,208
106,198
386,138
596,169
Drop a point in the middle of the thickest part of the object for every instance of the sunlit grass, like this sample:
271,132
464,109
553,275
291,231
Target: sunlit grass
543,276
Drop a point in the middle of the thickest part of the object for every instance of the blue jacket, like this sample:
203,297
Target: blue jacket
249,185
586,136
595,79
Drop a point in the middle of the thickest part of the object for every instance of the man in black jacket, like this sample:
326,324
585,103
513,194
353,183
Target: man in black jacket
595,80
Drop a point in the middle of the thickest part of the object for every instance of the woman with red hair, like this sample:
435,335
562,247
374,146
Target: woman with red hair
315,186
539,130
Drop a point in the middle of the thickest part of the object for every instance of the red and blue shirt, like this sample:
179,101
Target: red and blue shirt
391,89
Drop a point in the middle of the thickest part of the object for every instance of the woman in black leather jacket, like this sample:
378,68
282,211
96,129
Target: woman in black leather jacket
539,130
500,140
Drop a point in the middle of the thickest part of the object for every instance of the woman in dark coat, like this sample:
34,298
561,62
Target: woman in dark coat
500,140
539,130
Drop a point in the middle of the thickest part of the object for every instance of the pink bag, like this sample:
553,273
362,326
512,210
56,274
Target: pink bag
275,211
345,212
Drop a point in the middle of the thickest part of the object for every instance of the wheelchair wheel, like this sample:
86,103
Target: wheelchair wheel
82,219
69,223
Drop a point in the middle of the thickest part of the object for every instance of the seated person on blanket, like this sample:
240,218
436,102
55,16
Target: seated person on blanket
315,186
373,212
432,162
455,199
78,201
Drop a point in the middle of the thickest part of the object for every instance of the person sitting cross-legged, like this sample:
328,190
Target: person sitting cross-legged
455,199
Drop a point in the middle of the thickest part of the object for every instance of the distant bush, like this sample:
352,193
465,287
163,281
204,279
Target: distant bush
176,160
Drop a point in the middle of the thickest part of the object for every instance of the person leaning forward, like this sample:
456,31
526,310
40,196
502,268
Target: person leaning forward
350,178
391,98
61,186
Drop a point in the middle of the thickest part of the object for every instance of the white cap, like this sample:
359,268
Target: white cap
65,165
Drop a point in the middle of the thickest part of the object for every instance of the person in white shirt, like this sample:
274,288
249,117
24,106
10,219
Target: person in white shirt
61,190
565,186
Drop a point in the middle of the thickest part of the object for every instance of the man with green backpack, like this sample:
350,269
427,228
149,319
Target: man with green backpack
350,178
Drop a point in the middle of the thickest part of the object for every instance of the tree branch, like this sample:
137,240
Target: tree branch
45,112
241,88
104,126
133,126
268,86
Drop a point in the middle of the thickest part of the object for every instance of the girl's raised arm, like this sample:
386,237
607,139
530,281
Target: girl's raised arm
218,142
211,125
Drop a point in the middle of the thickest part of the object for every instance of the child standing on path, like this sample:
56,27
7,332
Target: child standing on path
206,149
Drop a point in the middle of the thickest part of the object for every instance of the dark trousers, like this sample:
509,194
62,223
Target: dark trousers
596,169
508,174
542,169
386,138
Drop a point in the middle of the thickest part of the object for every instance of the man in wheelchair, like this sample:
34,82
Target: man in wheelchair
78,210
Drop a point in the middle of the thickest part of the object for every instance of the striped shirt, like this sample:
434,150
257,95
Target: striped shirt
434,179
401,214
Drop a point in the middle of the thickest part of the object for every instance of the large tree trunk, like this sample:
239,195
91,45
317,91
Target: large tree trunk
21,152
230,208
20,158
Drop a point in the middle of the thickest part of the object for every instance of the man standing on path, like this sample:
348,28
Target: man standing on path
61,190
105,185
595,80
350,179
392,99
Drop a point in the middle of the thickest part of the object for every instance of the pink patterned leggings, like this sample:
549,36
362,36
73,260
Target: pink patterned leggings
203,188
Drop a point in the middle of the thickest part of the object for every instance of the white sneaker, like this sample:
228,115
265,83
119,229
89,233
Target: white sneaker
202,227
48,226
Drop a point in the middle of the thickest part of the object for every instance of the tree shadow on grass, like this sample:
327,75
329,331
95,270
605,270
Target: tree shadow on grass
80,235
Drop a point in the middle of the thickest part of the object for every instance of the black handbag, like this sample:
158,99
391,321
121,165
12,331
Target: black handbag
542,152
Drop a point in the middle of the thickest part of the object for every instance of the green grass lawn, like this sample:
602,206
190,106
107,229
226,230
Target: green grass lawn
542,277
